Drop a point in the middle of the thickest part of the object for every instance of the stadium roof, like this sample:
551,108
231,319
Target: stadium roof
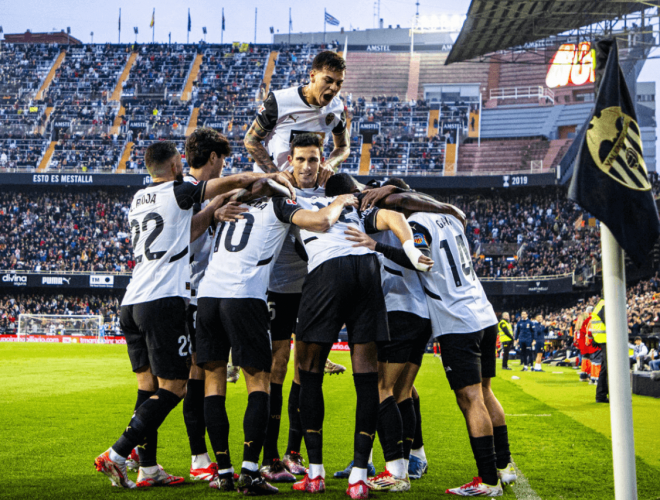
493,25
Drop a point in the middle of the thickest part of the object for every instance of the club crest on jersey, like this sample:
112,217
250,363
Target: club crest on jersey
329,117
291,202
262,108
420,240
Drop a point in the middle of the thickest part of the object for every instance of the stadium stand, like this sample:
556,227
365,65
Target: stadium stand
371,75
18,154
87,153
159,70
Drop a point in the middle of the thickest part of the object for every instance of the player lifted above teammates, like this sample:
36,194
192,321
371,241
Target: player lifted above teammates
153,311
315,107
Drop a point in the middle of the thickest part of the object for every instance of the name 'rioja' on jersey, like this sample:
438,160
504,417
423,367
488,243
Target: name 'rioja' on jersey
160,218
286,113
321,247
290,269
457,302
402,288
244,252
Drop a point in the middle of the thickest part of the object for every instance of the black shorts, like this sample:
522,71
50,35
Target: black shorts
539,347
409,336
283,314
344,290
156,335
237,324
468,358
191,316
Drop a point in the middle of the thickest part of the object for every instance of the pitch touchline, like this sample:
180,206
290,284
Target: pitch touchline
522,489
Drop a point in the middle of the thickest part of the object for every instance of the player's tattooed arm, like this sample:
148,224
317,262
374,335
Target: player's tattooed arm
339,155
409,202
254,145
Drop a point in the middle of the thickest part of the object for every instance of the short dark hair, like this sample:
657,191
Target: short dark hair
305,140
159,152
397,182
202,142
638,338
339,184
329,60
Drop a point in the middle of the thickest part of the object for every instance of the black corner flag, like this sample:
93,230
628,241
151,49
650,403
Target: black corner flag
610,179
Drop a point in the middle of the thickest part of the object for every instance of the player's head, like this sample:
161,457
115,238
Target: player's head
207,149
505,316
305,157
163,161
326,77
341,184
523,315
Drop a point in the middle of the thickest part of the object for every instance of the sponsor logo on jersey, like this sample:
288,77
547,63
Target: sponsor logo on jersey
329,117
262,108
291,202
420,240
15,279
294,118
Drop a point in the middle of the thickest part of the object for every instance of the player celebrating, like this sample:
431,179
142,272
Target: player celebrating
206,150
233,313
153,309
465,323
343,287
315,107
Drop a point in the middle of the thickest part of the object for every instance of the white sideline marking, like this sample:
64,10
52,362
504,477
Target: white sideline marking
522,489
528,415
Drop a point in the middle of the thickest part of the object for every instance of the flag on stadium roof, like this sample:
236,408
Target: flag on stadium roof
189,23
610,179
331,20
223,21
153,19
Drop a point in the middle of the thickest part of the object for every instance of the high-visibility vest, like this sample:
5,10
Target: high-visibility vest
597,326
504,337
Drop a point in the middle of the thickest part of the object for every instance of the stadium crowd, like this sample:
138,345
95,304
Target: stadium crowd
12,305
63,231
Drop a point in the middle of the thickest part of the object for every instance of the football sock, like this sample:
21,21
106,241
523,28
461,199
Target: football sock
357,474
116,457
254,425
147,449
217,425
408,419
193,416
152,469
366,416
148,417
201,461
501,437
419,442
397,468
312,413
273,429
295,427
483,449
250,468
419,453
371,455
390,429
316,470
537,366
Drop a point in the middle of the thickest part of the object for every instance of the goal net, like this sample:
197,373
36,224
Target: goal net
58,324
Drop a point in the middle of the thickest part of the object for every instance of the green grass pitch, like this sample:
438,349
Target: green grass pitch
62,405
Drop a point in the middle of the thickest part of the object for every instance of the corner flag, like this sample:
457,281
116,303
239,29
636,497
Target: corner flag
331,20
610,179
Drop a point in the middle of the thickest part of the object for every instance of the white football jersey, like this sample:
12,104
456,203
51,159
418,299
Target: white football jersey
290,269
244,252
286,113
402,288
457,302
321,247
200,251
160,217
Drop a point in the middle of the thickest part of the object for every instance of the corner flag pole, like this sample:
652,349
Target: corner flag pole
623,441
